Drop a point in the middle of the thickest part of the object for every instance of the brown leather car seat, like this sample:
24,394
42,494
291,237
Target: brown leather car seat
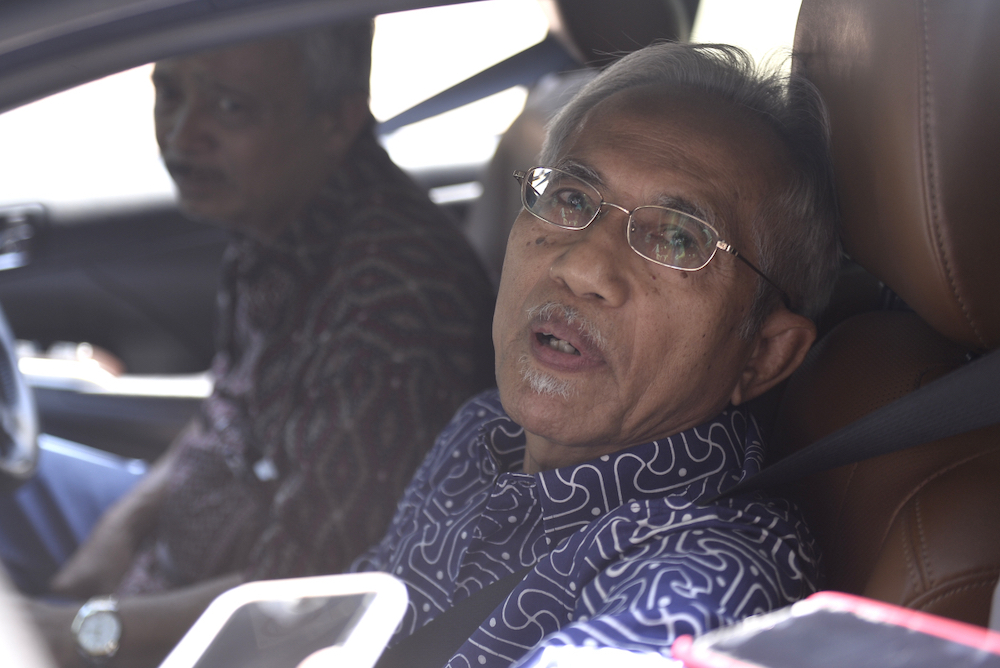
913,91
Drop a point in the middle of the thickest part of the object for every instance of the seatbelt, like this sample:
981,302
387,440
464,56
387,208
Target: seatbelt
434,643
965,399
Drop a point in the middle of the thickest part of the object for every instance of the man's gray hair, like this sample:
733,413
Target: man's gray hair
337,60
795,229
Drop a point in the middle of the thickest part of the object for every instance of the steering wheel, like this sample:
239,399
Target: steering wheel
18,417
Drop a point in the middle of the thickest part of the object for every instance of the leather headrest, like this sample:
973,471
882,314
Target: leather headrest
600,31
913,91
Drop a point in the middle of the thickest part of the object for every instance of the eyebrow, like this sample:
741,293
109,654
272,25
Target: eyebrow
589,174
685,206
581,171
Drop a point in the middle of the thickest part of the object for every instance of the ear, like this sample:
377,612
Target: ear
781,345
342,126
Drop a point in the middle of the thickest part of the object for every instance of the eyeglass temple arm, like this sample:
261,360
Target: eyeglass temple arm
723,246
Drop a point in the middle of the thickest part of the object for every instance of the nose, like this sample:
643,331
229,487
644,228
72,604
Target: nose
594,261
185,130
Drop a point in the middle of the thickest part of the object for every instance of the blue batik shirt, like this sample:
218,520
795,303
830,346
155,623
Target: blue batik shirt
623,557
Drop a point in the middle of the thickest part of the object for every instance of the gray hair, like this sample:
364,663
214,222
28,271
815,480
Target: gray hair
795,230
337,60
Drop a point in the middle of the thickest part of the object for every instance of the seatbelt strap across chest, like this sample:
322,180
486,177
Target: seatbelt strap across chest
433,644
965,399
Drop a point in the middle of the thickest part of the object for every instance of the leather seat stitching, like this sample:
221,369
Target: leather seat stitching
911,560
922,537
932,194
956,590
919,486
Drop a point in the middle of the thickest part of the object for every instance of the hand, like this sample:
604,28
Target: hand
100,563
54,621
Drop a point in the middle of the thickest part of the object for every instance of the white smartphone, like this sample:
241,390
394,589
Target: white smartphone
311,622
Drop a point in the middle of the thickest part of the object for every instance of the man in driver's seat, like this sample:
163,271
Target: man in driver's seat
354,322
629,335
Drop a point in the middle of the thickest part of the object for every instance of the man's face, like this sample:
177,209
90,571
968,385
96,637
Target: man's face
238,137
651,350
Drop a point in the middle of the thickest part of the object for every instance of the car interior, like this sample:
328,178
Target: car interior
912,90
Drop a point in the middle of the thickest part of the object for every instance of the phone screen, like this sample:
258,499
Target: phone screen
281,633
841,638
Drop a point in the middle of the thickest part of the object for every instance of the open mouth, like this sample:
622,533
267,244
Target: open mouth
557,344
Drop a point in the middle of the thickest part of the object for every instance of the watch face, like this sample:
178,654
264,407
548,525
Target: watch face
99,633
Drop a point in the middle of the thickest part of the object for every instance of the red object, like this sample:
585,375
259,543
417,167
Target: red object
770,641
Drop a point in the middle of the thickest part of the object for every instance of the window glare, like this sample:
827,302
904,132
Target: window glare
463,136
92,143
95,143
419,53
765,28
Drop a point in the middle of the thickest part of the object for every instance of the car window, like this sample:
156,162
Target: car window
90,144
94,144
764,28
420,53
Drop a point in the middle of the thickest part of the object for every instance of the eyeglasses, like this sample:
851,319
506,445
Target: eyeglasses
662,235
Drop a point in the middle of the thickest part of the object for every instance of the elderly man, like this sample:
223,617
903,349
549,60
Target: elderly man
354,321
659,276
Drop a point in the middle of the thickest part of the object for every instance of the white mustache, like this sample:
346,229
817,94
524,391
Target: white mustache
573,317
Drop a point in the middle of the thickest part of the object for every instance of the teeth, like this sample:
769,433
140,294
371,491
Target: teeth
561,346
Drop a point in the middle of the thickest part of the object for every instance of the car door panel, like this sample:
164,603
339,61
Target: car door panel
139,283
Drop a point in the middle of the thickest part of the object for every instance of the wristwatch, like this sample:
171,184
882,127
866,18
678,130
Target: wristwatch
97,628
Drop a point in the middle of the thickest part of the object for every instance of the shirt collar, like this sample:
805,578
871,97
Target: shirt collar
704,460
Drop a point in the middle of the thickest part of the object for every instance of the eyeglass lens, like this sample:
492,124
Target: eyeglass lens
560,199
663,235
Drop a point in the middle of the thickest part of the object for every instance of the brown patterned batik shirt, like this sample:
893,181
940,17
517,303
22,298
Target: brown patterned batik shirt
344,347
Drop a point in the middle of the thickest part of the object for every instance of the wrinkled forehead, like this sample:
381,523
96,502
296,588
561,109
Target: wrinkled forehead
716,160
